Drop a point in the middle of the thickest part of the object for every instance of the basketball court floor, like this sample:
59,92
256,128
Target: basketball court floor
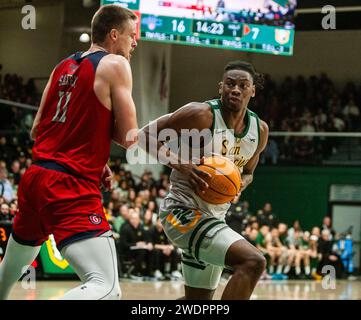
171,290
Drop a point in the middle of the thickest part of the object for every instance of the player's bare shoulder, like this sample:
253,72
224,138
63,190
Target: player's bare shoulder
113,72
114,67
196,115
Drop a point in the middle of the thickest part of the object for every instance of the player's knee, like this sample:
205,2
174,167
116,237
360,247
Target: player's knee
254,265
108,291
107,287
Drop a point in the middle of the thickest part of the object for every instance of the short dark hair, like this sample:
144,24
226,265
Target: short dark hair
258,78
109,17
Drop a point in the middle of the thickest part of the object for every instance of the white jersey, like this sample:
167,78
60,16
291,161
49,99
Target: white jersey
238,147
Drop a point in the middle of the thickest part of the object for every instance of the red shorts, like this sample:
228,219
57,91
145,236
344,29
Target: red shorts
58,203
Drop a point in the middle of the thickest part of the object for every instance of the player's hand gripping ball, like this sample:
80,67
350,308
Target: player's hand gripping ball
225,181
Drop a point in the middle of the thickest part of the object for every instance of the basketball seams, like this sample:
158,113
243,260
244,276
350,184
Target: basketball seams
207,165
222,194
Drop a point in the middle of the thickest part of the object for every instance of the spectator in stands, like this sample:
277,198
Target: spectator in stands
6,189
336,124
351,113
314,256
130,180
165,256
327,225
245,209
276,251
221,4
304,149
290,252
13,209
316,231
320,120
266,216
149,219
303,254
132,196
5,212
329,254
271,152
15,171
136,243
161,194
262,238
291,231
7,152
123,191
251,235
152,206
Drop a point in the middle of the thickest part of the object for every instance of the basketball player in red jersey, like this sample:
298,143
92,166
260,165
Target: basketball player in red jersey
86,103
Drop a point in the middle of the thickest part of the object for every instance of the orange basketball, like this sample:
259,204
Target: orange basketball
225,181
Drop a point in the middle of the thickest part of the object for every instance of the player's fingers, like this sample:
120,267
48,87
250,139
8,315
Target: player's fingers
108,169
194,184
200,182
201,173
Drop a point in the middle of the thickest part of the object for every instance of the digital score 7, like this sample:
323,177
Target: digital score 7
251,31
255,32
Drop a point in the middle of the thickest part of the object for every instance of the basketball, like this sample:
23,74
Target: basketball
225,181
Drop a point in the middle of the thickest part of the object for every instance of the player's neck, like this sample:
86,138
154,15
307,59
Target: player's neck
96,47
234,120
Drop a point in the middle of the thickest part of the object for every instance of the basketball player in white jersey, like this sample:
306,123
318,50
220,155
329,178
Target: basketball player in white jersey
198,228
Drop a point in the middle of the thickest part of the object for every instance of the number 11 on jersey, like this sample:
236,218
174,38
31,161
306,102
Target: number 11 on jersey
60,115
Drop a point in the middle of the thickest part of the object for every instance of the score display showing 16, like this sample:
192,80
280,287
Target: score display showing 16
178,26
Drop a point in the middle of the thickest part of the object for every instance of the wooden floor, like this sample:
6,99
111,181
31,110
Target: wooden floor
170,290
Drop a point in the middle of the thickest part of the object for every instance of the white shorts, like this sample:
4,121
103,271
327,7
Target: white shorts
204,241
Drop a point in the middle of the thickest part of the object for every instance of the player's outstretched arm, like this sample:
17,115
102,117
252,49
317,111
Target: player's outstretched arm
247,175
34,129
191,116
117,72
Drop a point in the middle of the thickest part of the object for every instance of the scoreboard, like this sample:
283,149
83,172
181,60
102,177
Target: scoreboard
209,33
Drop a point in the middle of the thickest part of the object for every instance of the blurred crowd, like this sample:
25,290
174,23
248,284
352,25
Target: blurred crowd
14,119
300,104
273,14
292,251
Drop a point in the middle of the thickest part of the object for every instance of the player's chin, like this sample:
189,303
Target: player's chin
234,106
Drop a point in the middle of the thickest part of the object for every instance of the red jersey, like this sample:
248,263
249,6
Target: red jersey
75,128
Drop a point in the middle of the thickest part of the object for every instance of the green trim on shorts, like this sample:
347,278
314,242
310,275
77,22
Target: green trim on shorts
202,236
194,233
194,265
